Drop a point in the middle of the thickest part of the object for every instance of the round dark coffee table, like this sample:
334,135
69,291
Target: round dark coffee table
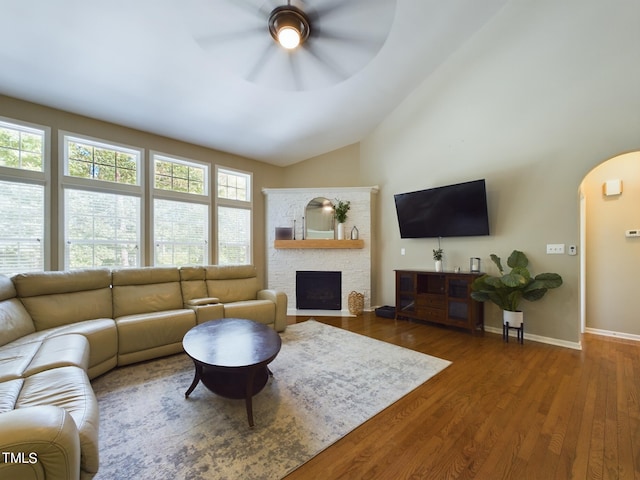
231,357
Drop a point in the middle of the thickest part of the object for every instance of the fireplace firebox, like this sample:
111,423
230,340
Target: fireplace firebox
318,290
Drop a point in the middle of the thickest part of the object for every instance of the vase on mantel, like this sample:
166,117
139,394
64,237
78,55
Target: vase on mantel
341,231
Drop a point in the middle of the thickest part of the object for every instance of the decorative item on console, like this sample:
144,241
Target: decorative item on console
340,212
437,256
474,264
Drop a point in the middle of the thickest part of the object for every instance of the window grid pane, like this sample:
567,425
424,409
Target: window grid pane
86,160
233,185
234,236
180,177
181,233
21,148
102,230
22,226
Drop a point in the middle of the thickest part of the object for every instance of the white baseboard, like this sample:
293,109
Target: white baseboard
538,338
610,333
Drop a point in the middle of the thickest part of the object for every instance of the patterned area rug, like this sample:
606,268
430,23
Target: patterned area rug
326,382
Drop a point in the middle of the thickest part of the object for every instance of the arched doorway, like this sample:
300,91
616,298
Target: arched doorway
610,259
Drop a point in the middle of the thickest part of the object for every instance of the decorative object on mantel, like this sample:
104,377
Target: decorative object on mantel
508,289
356,303
355,233
341,208
437,256
283,233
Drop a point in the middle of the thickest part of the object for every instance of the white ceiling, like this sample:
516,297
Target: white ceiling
152,65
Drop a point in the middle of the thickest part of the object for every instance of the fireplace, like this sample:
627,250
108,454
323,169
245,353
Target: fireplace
318,290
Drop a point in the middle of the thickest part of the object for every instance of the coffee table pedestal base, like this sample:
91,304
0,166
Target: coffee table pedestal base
232,383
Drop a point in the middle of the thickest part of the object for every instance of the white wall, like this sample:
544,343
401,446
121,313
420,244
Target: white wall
545,92
613,260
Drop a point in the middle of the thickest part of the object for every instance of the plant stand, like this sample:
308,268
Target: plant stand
520,332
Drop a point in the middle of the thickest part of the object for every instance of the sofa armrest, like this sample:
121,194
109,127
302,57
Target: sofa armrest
39,442
280,300
195,302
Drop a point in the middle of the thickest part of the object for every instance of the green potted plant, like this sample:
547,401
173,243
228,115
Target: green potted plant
340,213
437,256
508,289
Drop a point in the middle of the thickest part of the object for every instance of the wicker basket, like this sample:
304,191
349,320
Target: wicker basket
356,303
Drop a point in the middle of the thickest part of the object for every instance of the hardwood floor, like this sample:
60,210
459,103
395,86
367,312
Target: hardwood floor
500,411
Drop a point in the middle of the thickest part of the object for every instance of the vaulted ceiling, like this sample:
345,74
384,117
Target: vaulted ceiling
208,71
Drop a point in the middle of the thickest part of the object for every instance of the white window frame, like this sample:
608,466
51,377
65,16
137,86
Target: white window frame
99,186
42,178
162,194
240,204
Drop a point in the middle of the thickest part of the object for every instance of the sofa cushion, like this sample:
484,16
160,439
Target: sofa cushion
263,311
14,359
15,322
9,392
67,388
60,298
103,342
192,282
232,283
62,351
145,290
149,330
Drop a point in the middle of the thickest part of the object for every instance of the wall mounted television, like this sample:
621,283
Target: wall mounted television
458,210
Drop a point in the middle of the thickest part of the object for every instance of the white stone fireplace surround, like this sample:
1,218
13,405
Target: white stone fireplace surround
284,205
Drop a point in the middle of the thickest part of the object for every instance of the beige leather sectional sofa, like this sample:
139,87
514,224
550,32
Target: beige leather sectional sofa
58,330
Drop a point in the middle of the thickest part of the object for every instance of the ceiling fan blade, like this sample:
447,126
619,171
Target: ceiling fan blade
365,42
330,7
213,39
296,73
326,61
256,8
268,52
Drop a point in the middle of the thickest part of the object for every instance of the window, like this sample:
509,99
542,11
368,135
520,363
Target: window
21,147
102,229
234,208
87,159
22,227
180,232
179,176
102,204
180,212
23,190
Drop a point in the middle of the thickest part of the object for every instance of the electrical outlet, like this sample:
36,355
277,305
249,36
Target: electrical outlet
555,248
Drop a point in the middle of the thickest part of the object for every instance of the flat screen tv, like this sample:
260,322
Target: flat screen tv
458,210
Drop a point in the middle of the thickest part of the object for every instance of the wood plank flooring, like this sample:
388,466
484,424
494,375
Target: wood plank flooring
500,411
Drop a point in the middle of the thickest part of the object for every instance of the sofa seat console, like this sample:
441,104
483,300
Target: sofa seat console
59,330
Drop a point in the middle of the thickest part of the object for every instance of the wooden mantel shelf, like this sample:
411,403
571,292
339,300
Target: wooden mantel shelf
318,243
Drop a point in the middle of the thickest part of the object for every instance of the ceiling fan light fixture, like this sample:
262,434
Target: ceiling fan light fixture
289,26
288,37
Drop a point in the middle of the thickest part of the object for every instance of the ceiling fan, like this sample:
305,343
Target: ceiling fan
295,44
